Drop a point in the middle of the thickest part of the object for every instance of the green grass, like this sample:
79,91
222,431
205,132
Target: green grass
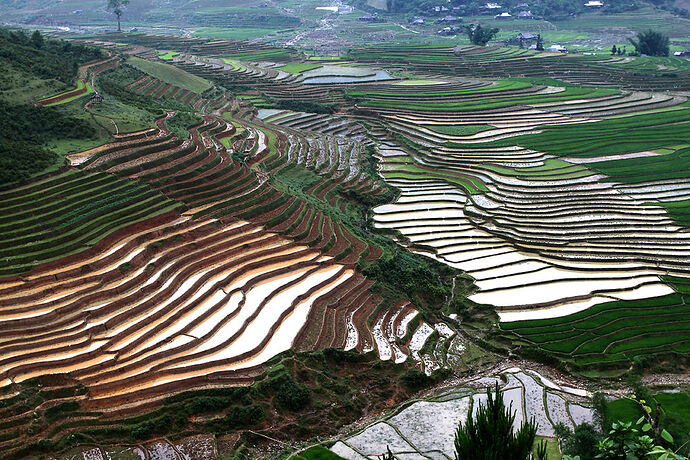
622,409
167,55
552,451
317,453
459,130
238,33
80,85
171,74
612,331
298,67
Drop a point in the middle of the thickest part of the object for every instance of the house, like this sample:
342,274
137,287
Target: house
557,49
526,36
525,15
417,21
345,9
451,30
523,39
503,16
491,6
684,53
448,19
522,5
369,18
78,12
594,4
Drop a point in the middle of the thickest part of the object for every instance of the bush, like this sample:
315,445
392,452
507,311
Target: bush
582,442
293,396
61,410
415,379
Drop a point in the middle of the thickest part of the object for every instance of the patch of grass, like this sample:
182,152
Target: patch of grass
317,453
171,74
298,67
459,130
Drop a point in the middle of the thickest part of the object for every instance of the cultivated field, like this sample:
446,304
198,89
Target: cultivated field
419,205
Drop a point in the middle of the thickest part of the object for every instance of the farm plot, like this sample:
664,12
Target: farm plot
204,268
535,231
425,428
552,207
165,307
84,85
492,62
610,334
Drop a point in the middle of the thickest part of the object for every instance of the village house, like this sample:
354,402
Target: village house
448,19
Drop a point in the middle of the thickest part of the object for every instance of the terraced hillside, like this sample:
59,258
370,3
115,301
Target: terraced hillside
352,213
187,255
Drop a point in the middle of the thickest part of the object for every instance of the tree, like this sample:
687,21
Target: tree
37,39
614,51
581,442
540,43
489,435
478,35
651,43
118,8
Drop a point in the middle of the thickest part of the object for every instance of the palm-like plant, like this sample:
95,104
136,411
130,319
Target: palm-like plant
489,435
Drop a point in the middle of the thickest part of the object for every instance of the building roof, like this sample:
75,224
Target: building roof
556,48
526,36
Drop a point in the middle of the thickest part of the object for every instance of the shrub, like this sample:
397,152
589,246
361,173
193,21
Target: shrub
415,379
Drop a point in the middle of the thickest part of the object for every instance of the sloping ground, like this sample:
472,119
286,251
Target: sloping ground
535,231
425,428
156,264
490,62
84,86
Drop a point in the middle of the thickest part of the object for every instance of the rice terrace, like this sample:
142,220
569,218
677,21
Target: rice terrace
295,230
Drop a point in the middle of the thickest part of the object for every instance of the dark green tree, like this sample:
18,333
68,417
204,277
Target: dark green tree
489,434
37,39
614,50
479,35
540,43
651,43
117,6
581,442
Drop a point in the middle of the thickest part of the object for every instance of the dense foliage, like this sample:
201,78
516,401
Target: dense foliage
489,434
24,129
479,35
651,43
44,58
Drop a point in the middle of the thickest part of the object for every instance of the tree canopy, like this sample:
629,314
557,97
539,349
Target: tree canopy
479,35
651,43
117,6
